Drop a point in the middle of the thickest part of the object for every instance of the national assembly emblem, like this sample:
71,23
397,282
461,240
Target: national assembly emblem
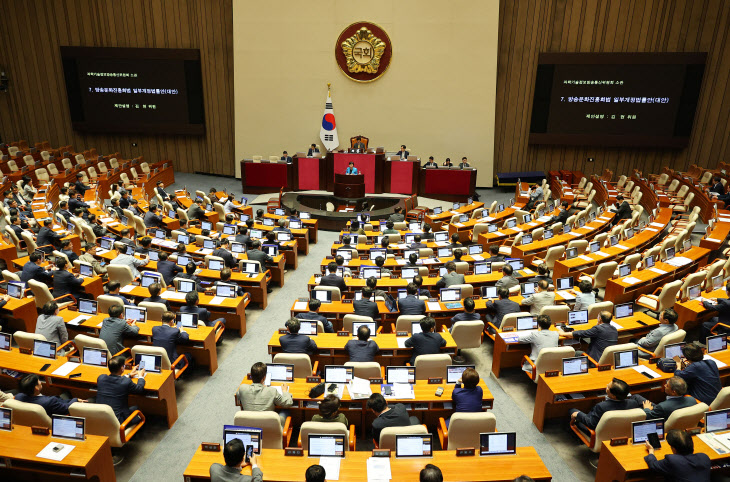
363,51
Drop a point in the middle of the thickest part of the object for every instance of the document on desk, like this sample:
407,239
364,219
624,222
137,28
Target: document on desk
477,257
544,219
516,229
48,452
300,305
217,300
586,258
573,233
400,262
458,225
601,253
652,230
566,295
658,225
65,369
621,246
204,251
443,244
527,271
488,219
720,443
647,370
713,240
532,224
331,467
657,270
403,391
616,325
401,340
79,319
679,261
127,289
510,337
717,362
379,469
172,295
630,280
433,305
101,251
359,388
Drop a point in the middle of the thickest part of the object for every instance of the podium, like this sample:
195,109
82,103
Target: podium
349,185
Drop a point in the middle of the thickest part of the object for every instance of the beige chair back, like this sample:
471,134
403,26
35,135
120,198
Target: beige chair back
676,336
603,274
468,334
41,293
10,276
595,309
301,361
387,435
668,295
154,310
510,319
26,340
403,322
557,313
465,427
28,414
616,423
722,400
365,369
105,302
121,273
153,350
553,254
552,359
684,418
461,267
333,428
100,420
268,421
467,290
86,341
432,366
607,356
348,319
691,280
336,295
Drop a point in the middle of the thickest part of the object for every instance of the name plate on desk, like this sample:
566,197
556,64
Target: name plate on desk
619,441
508,329
466,452
693,430
476,297
283,331
25,351
35,430
604,368
376,381
343,333
293,452
552,373
314,379
347,301
435,380
432,275
401,333
210,447
381,453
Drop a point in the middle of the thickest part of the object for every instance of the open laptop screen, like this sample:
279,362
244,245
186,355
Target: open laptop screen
324,445
248,435
453,372
420,445
497,443
400,375
67,427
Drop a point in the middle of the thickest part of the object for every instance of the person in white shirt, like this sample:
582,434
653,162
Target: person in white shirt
541,298
127,260
544,337
229,206
584,295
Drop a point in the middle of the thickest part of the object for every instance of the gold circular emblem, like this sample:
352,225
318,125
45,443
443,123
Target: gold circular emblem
363,51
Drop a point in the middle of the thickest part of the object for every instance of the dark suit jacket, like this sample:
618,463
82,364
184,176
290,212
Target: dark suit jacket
501,308
664,409
286,158
260,256
602,336
623,212
411,305
51,404
291,343
65,283
113,390
403,155
334,280
703,380
562,217
366,308
592,418
47,236
33,271
70,255
81,187
681,468
74,203
168,270
228,259
158,299
718,188
722,307
124,203
425,344
152,220
66,214
168,337
244,239
163,194
196,212
311,151
118,210
203,314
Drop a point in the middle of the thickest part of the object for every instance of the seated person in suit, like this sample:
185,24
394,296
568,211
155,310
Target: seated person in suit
380,263
340,261
412,261
503,306
243,237
68,251
617,392
403,153
281,226
622,209
365,307
564,214
451,277
359,144
427,234
16,227
260,216
113,290
114,328
536,195
191,306
682,465
66,283
114,389
144,246
584,295
431,163
667,325
448,163
386,242
293,342
722,307
152,218
702,376
356,228
411,304
346,244
390,228
351,169
507,280
222,252
363,349
468,315
115,208
161,191
313,315
717,186
121,258
50,325
676,390
427,342
168,269
467,395
196,211
155,289
286,157
257,397
544,274
388,417
540,299
397,215
372,283
431,473
418,281
126,237
331,279
29,391
602,336
313,149
47,240
32,269
226,274
124,200
464,163
329,411
494,256
190,274
455,241
544,337
417,244
234,454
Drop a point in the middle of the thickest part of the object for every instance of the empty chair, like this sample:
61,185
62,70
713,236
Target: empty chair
26,340
403,322
506,249
105,302
10,276
601,276
464,429
42,295
432,366
274,436
722,400
336,295
301,361
548,359
553,254
557,313
595,309
467,334
154,310
607,355
467,290
662,298
66,162
121,273
101,420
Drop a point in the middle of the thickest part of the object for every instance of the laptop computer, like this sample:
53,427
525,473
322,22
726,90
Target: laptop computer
250,436
63,426
44,349
497,443
326,445
94,356
575,365
414,445
453,372
626,359
400,375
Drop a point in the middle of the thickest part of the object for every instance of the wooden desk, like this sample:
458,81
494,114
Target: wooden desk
719,234
618,291
510,355
202,345
311,224
503,234
159,390
277,467
436,220
445,183
331,348
90,460
21,313
692,313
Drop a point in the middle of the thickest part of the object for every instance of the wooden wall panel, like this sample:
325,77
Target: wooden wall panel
36,109
528,27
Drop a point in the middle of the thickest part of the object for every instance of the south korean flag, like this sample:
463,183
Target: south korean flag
328,131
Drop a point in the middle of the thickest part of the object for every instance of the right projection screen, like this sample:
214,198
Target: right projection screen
616,99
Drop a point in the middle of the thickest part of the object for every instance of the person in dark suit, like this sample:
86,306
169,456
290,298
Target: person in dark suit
281,226
152,219
403,153
455,242
313,315
702,376
717,186
66,249
195,211
503,306
417,244
155,289
363,349
418,281
16,227
47,240
79,185
32,270
602,336
431,163
359,144
494,256
622,210
286,157
190,274
29,391
226,274
113,288
365,307
542,274
66,283
77,202
124,200
115,388
464,163
256,254
468,315
448,163
161,191
451,277
191,306
332,279
563,215
243,237
313,149
427,235
234,455
115,208
222,252
412,261
168,336
722,306
397,215
617,392
427,342
63,210
293,342
682,465
411,304
676,390
167,268
126,237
